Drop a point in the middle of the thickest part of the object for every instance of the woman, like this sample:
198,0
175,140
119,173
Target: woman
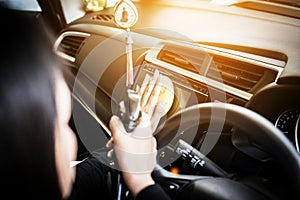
33,117
37,144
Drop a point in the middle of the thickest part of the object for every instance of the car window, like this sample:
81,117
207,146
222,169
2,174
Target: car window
74,9
27,5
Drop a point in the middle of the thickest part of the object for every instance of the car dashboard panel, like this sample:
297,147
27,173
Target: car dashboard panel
200,72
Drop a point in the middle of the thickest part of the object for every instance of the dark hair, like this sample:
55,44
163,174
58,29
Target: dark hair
27,110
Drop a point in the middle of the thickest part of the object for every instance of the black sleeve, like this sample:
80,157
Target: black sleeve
90,181
153,192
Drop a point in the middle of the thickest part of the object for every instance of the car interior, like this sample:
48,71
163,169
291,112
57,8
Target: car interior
232,129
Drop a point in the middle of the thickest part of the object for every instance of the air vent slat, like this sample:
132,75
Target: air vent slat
69,51
103,17
238,74
183,57
240,69
177,60
72,42
70,45
242,87
247,79
230,79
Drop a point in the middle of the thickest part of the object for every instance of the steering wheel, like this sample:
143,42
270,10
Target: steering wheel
249,126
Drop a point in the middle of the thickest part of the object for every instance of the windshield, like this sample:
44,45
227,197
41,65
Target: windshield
28,5
288,8
74,9
295,3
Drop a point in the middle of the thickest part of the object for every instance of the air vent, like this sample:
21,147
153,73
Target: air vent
175,59
185,58
103,17
241,75
70,45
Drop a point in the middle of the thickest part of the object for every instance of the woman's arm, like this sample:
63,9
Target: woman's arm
136,155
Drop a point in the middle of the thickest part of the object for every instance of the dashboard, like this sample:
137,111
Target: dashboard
200,72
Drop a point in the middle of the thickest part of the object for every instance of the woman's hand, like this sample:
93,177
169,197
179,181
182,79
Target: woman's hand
157,95
135,152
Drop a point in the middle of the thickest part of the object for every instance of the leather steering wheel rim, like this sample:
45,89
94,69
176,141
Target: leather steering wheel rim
255,126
